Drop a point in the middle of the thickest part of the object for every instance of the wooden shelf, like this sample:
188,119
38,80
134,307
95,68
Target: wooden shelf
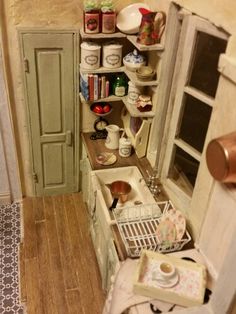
103,70
133,40
101,35
133,77
111,98
134,112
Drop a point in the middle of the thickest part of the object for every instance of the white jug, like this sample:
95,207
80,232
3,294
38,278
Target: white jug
112,140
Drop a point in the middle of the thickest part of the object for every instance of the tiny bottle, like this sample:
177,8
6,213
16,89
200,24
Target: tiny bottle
91,17
108,17
119,87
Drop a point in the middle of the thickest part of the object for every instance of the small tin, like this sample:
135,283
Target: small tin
125,147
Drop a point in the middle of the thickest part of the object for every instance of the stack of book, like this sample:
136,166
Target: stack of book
94,86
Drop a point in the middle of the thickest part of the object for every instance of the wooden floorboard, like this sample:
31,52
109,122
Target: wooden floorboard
61,272
67,259
30,246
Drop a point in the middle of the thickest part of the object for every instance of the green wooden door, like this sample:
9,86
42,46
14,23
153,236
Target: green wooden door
49,76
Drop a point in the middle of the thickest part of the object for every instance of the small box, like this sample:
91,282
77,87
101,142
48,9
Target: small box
190,285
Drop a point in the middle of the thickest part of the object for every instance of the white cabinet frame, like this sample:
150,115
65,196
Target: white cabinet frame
188,203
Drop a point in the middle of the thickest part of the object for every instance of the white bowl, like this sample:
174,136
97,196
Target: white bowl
129,19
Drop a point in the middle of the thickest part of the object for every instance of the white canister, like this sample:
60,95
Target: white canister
125,147
90,55
133,93
112,55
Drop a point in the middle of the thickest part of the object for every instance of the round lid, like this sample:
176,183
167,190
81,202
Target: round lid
134,57
90,46
112,45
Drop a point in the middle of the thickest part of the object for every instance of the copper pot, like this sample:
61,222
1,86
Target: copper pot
221,158
119,190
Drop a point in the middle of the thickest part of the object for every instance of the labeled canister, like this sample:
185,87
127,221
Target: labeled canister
112,55
125,147
133,93
90,55
91,22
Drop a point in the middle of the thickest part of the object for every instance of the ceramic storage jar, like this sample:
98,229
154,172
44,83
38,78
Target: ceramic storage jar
90,55
112,55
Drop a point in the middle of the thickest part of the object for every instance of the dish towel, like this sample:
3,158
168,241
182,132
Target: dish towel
121,296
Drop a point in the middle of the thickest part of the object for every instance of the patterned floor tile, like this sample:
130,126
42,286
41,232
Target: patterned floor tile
9,241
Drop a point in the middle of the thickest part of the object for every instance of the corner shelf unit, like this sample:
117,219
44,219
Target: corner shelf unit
101,35
133,40
111,98
134,112
133,77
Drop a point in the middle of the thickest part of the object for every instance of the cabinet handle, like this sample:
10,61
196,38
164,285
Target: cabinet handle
68,138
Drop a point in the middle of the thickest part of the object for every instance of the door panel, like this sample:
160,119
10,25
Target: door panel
53,159
50,103
51,106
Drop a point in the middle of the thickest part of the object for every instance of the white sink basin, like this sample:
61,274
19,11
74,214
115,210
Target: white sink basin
139,194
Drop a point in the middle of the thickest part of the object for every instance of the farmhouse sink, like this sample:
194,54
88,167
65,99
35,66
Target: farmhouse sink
140,193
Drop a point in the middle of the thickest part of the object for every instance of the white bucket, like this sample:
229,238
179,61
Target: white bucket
90,55
112,55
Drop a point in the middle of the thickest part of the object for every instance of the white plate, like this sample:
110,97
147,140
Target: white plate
179,220
129,19
167,283
106,159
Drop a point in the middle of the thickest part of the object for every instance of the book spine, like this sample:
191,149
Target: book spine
91,87
103,87
95,87
84,86
107,88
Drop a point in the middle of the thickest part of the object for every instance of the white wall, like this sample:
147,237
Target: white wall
10,189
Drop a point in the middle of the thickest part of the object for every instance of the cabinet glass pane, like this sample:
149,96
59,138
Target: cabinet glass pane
204,75
183,170
194,122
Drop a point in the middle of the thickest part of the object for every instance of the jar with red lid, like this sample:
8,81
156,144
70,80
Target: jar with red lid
108,17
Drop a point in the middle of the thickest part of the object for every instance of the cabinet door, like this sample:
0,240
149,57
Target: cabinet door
49,77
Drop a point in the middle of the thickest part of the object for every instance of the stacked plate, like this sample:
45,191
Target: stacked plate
145,73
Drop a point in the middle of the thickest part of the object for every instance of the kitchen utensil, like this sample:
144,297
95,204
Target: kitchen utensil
129,18
151,27
221,158
113,135
106,159
119,190
145,73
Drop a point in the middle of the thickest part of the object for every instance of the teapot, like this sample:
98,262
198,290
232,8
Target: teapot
151,27
113,135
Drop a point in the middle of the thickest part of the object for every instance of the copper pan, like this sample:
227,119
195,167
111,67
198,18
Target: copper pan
120,191
221,158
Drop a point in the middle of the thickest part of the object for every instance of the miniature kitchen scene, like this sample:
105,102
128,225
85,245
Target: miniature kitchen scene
125,162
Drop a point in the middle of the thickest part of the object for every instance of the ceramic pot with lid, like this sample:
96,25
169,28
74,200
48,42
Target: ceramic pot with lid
134,60
90,55
112,55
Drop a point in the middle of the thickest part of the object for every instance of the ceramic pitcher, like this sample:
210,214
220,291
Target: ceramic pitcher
113,136
151,27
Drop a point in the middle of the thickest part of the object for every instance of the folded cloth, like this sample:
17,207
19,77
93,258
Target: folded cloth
122,297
